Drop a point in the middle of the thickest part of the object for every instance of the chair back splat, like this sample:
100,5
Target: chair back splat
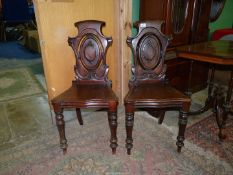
90,48
148,47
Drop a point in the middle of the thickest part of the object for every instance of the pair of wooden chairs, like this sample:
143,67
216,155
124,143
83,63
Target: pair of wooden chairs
148,89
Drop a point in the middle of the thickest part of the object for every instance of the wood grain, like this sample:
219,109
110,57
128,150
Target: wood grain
56,22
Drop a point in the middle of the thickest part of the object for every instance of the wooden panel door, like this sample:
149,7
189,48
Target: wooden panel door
56,18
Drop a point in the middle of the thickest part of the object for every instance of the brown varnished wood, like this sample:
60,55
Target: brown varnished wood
148,88
92,88
200,21
79,116
90,48
149,13
191,15
178,71
214,53
158,94
173,18
151,44
163,10
217,52
86,95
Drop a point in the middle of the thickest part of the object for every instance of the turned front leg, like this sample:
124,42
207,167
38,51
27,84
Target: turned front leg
183,120
222,111
61,129
112,119
129,119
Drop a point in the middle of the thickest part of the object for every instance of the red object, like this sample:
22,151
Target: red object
218,34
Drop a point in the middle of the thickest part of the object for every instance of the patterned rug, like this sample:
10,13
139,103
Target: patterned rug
89,153
204,134
16,83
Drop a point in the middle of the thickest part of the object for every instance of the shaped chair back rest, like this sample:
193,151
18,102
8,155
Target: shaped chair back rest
148,47
90,47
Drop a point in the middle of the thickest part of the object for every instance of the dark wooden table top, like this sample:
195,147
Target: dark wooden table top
217,52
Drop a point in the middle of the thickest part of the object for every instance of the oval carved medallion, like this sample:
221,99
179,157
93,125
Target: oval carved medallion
90,52
149,52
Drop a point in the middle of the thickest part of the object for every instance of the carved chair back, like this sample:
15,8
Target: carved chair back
90,47
148,47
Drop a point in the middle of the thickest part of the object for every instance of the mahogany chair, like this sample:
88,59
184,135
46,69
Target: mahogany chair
92,88
148,89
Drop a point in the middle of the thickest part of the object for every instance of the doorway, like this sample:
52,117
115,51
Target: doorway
23,93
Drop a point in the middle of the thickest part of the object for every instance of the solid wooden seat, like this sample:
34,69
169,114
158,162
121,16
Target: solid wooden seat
92,88
155,94
87,94
148,89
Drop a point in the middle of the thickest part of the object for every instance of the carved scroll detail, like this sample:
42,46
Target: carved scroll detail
148,50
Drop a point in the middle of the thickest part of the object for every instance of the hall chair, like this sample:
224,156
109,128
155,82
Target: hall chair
91,87
149,89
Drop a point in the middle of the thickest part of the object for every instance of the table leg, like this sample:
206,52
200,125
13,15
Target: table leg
227,105
210,98
211,83
222,111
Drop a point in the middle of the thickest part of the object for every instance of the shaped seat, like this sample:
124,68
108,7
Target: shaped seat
149,89
92,88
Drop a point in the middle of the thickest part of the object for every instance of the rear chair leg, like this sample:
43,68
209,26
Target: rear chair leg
157,114
161,117
79,116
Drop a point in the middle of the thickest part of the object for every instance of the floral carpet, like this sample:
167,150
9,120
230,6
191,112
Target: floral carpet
154,151
204,134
